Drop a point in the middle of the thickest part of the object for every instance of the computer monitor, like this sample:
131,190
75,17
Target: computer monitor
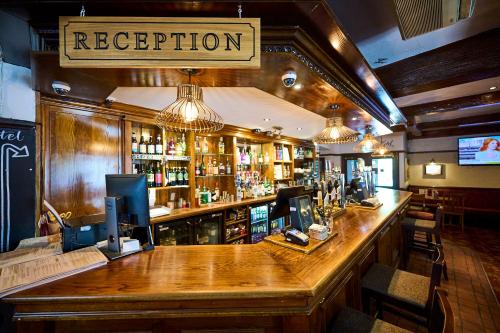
293,201
133,190
127,203
301,214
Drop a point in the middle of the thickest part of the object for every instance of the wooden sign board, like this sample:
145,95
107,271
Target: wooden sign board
117,42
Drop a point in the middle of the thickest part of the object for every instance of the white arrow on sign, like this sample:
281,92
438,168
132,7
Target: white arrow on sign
5,187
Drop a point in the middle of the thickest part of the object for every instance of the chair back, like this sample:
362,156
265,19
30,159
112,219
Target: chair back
441,317
437,270
453,202
438,216
417,201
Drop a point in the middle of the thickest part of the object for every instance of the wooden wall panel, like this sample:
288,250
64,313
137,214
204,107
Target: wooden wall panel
80,148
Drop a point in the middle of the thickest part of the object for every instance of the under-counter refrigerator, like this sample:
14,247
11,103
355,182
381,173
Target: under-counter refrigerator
275,226
207,229
173,233
258,223
200,230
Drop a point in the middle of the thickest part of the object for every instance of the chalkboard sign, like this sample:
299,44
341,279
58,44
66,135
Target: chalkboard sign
17,182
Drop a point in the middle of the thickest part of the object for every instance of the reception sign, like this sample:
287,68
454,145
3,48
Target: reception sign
115,42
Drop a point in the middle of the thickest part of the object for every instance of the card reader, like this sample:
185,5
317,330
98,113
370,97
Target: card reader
296,237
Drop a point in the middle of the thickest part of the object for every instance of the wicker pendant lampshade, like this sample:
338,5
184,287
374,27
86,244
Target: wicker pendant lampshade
189,112
335,132
369,143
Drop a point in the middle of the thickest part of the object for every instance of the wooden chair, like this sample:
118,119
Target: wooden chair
398,290
352,321
453,205
418,209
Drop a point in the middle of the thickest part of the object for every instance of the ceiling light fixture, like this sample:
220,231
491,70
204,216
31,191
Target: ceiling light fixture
493,87
298,86
335,132
354,118
381,150
369,143
267,120
189,112
299,128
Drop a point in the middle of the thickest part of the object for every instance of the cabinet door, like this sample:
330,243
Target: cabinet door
384,247
80,147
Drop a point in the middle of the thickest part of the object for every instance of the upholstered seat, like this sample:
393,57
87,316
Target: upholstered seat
352,321
397,284
419,214
419,224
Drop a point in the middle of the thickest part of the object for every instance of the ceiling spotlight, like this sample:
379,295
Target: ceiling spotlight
298,86
493,87
354,118
267,119
299,128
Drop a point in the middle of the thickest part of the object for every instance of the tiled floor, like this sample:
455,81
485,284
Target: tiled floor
474,304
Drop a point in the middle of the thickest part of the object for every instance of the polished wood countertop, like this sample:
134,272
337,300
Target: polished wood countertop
183,213
250,276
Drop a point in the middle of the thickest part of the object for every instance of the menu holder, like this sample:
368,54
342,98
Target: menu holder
39,268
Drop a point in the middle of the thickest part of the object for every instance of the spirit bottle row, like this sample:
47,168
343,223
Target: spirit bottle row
174,176
174,147
201,145
212,168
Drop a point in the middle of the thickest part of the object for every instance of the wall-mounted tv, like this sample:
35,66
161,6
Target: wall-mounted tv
484,150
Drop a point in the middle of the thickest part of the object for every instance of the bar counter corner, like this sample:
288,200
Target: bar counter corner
221,288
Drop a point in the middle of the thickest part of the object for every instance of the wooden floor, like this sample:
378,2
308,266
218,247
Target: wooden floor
471,295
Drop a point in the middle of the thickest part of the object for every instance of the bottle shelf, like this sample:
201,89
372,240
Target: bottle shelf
232,239
231,222
207,176
282,161
212,154
158,157
168,187
278,179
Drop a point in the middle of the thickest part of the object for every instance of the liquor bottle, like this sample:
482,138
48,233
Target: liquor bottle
228,167
135,146
167,174
215,169
180,176
178,147
183,145
171,146
158,175
197,168
202,168
135,169
222,168
150,176
205,146
221,145
260,159
151,145
185,176
266,158
172,177
209,167
197,146
159,145
142,146
216,195
197,197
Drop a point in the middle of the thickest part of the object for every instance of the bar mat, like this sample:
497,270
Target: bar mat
314,244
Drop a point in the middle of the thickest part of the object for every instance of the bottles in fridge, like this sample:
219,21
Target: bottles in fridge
275,226
258,223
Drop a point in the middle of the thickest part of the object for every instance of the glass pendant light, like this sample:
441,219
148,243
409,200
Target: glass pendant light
189,112
382,150
335,132
369,143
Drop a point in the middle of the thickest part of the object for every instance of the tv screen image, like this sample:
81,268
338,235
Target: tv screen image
484,150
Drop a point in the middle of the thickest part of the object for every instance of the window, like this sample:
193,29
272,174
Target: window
384,171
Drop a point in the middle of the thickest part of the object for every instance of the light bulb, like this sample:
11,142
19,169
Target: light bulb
190,111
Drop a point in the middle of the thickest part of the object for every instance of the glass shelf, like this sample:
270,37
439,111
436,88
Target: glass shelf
168,187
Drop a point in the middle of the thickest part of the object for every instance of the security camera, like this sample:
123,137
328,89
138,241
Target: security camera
109,100
289,78
61,88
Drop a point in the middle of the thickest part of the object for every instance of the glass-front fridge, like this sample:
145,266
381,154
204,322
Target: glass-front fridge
173,233
207,229
258,223
275,226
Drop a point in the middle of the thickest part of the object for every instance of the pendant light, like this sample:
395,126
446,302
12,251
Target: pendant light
382,150
189,112
335,132
368,144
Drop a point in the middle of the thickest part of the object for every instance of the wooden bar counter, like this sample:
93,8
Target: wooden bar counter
221,288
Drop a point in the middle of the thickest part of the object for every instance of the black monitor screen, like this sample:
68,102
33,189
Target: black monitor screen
304,214
282,207
134,192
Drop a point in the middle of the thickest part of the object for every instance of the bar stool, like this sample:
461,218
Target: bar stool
418,209
352,321
394,288
411,226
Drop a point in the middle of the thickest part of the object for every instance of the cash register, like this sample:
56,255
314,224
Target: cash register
296,203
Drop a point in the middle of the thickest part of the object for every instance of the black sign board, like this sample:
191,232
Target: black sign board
17,182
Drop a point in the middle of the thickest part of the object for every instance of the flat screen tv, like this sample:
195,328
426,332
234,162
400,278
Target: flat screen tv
483,150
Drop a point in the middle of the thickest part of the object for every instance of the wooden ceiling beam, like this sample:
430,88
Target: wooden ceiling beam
471,59
480,120
452,104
